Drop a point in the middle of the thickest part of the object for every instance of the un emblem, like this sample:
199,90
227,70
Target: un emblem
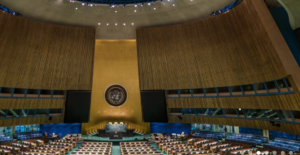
115,95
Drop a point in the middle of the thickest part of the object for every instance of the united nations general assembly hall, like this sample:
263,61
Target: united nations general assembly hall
149,77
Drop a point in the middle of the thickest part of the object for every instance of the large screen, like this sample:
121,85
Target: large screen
78,105
154,106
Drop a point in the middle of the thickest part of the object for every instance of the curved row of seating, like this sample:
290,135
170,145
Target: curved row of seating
4,139
241,141
27,136
283,144
209,135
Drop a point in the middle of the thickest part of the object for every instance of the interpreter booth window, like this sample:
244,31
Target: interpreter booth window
216,112
175,111
202,111
188,111
5,131
230,112
271,114
27,128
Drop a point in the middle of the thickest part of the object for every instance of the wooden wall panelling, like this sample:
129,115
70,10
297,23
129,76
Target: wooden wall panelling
31,120
225,50
38,55
13,103
282,102
292,128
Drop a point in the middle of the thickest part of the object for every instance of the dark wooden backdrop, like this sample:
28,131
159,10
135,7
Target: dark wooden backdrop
225,50
38,55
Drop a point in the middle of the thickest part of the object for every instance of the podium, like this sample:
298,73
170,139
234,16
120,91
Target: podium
103,133
115,135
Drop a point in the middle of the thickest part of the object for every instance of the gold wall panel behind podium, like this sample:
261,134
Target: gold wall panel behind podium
115,62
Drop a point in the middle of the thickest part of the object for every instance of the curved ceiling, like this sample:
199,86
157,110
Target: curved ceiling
117,22
115,2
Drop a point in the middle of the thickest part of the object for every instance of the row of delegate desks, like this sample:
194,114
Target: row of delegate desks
61,150
69,145
56,148
95,148
25,147
7,152
44,151
163,141
7,147
161,145
140,148
214,147
74,143
66,148
173,149
33,145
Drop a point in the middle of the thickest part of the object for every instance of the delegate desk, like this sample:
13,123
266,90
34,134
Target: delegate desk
33,145
165,147
62,151
17,149
160,145
45,151
201,142
222,150
243,150
174,152
7,152
25,147
163,141
172,149
204,146
66,148
212,148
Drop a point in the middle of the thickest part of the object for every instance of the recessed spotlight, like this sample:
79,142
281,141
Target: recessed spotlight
173,4
124,24
154,8
99,23
134,10
132,23
116,23
107,24
116,11
76,8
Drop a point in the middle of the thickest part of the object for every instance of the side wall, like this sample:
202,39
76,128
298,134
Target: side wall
225,50
243,46
38,55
